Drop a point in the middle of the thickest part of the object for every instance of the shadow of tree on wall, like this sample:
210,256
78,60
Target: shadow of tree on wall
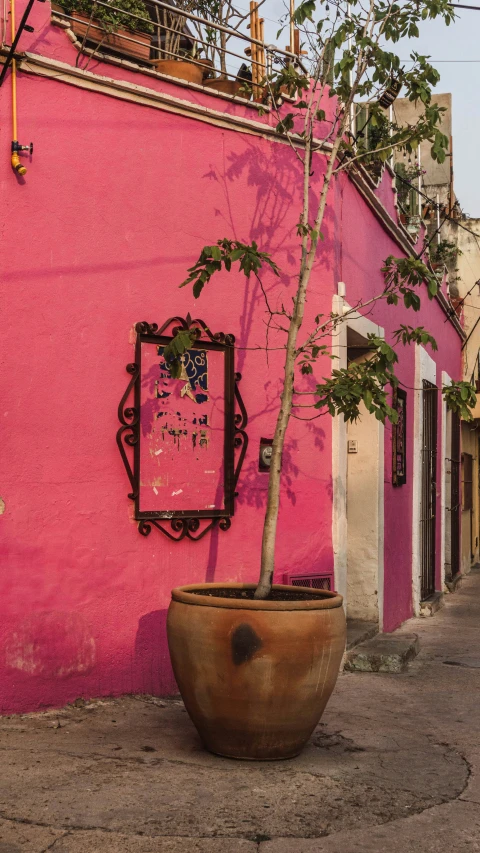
152,662
275,176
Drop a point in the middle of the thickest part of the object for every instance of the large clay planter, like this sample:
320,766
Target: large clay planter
120,40
208,70
228,87
255,676
180,69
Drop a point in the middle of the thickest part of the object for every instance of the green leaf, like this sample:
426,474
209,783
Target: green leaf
197,288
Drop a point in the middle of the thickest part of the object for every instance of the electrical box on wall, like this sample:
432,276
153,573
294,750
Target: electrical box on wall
352,445
265,454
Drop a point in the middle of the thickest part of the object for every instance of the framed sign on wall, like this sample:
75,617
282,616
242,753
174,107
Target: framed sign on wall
399,438
187,434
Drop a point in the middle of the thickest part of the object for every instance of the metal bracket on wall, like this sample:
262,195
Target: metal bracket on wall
181,524
21,27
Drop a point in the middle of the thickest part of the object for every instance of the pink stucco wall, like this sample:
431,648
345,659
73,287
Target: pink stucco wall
116,204
362,251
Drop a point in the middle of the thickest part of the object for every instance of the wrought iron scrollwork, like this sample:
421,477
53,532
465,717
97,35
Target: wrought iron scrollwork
241,437
185,528
184,324
176,525
129,431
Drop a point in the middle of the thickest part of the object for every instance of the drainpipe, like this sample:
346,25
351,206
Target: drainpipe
17,166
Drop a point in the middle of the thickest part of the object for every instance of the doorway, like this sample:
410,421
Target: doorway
453,498
428,509
364,501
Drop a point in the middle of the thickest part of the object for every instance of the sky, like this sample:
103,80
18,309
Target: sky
454,51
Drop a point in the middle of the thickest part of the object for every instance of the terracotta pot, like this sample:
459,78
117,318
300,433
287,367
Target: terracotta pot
255,676
119,40
228,87
208,68
181,69
457,305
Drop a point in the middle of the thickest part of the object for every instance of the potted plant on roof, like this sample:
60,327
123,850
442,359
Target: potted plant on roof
444,253
127,28
214,42
174,46
257,662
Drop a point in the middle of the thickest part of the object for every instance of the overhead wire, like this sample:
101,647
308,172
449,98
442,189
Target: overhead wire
462,6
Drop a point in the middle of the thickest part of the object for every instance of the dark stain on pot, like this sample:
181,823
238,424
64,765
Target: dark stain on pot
245,642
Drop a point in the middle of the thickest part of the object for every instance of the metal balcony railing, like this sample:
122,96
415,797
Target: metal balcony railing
207,44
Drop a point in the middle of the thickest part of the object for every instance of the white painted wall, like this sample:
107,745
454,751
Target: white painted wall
363,514
425,369
446,486
340,531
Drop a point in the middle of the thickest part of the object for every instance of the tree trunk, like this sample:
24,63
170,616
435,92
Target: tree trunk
273,500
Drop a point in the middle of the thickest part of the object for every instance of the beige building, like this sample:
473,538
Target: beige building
436,179
464,277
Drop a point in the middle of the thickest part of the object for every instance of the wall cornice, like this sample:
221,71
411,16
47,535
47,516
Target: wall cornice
42,66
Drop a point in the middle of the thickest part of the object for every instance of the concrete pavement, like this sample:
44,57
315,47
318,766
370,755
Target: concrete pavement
394,766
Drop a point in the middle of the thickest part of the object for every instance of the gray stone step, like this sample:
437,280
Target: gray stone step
452,584
383,653
432,605
358,631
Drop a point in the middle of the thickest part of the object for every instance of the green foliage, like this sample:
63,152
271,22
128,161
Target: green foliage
223,254
288,80
363,381
309,355
444,252
403,276
304,12
307,231
418,335
286,124
110,19
368,382
460,398
406,182
362,57
357,45
173,351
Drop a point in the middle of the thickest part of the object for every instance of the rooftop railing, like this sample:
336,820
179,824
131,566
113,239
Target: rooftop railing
167,32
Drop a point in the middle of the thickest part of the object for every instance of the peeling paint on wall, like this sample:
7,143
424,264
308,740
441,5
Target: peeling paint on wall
54,645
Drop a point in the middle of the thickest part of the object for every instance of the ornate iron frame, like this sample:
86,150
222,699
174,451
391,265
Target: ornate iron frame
184,523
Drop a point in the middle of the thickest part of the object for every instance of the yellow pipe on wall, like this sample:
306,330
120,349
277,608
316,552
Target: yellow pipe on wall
17,165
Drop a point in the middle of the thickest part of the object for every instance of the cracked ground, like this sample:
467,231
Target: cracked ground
394,766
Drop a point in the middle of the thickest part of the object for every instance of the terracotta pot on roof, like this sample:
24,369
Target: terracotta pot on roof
182,69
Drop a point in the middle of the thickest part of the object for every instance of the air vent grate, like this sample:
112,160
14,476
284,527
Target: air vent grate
316,581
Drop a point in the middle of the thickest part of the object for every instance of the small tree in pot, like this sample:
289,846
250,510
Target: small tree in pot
265,670
174,47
